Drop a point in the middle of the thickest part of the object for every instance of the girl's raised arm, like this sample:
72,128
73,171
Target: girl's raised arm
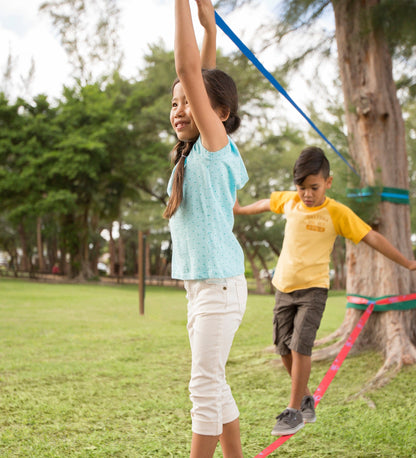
206,16
188,69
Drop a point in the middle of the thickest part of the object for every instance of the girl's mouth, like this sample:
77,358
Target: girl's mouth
180,125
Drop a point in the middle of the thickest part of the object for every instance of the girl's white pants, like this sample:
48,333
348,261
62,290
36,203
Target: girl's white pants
215,310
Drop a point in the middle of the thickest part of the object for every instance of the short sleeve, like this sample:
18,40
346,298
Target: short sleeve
278,199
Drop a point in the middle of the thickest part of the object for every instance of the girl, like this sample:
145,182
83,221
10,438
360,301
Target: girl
206,254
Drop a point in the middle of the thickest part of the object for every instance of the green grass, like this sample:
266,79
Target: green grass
82,374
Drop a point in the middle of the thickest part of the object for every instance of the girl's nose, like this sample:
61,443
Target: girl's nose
180,110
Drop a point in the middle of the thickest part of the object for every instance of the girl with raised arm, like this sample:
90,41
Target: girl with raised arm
206,255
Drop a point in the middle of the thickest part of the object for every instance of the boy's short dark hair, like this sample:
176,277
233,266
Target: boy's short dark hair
312,161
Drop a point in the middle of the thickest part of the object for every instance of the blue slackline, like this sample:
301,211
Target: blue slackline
250,56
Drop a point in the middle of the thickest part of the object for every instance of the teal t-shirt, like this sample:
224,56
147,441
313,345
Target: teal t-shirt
203,242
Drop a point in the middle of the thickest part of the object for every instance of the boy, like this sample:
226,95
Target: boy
302,272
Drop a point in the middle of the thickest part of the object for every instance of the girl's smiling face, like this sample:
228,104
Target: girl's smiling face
312,190
181,115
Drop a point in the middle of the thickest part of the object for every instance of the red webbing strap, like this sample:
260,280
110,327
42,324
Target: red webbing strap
320,391
382,301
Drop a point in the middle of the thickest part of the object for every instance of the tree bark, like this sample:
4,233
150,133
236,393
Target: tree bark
112,250
376,137
24,263
41,259
147,255
256,272
121,254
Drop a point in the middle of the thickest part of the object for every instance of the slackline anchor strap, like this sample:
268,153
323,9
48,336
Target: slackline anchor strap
382,303
387,194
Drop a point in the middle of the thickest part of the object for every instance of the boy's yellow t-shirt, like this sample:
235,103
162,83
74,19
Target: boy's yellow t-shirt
310,234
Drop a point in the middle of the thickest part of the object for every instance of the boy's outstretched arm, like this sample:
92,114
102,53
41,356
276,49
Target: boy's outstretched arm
209,44
382,245
260,206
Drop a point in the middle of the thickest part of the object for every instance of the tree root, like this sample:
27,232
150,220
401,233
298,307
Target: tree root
324,340
343,331
328,352
270,349
396,358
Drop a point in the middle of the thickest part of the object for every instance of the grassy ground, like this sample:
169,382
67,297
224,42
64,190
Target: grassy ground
83,375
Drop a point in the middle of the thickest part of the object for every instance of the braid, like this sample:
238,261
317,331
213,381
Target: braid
179,153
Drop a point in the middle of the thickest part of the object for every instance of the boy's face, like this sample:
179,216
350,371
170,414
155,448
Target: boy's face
312,190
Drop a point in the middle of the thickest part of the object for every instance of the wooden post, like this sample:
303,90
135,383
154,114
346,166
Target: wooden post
141,271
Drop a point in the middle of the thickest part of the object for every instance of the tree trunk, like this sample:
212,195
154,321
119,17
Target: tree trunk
84,249
338,262
24,263
41,259
266,269
121,254
112,250
94,252
251,257
147,271
377,146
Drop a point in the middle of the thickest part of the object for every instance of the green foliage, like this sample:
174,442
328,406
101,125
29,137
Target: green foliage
397,21
76,164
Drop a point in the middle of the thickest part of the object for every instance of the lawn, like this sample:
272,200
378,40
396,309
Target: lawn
82,374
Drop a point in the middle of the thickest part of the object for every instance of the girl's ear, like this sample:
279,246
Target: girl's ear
223,113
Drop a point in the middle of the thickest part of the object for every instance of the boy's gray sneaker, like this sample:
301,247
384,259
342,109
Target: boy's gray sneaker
308,409
288,422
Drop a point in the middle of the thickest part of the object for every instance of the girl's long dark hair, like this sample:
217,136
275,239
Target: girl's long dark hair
222,92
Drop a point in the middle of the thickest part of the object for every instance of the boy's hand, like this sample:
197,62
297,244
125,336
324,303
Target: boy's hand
206,14
255,208
237,207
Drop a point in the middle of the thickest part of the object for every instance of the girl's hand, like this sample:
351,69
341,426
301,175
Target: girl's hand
206,14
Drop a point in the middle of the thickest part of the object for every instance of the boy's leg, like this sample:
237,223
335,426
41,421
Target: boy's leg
311,304
288,363
301,370
295,332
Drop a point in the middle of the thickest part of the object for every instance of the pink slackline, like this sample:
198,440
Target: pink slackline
320,391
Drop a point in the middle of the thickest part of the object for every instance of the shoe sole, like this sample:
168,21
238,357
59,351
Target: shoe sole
288,432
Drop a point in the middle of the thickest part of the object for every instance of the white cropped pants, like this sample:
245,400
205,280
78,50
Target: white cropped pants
215,310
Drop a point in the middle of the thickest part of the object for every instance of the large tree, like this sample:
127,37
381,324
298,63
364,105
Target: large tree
377,145
368,33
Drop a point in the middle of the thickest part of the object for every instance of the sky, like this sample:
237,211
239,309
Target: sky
27,34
